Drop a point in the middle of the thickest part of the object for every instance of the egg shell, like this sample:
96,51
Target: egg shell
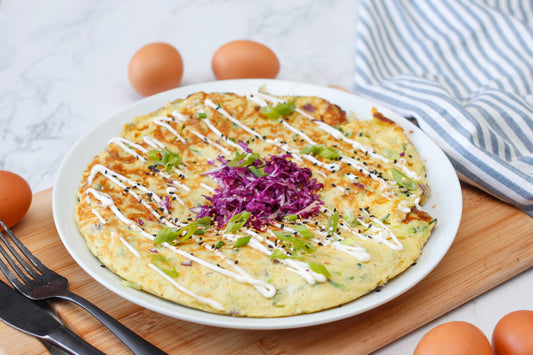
513,334
154,68
15,198
244,59
457,338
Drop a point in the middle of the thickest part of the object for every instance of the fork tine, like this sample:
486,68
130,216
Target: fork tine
28,254
9,274
29,268
7,256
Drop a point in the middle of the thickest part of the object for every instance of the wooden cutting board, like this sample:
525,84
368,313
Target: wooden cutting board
494,243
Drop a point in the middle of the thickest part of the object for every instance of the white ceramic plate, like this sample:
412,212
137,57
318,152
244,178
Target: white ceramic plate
445,204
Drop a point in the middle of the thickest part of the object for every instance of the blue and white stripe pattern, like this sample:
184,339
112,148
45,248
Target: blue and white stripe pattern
464,70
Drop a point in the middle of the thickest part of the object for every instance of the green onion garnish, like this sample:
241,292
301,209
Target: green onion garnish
165,235
296,244
204,222
322,151
390,154
201,115
257,172
291,217
242,241
319,268
166,157
330,153
312,149
333,223
403,180
278,254
237,221
303,231
169,235
278,111
219,244
162,263
244,159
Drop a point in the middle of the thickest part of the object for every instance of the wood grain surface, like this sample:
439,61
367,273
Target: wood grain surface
493,244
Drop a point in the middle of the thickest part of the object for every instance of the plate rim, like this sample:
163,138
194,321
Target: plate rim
65,179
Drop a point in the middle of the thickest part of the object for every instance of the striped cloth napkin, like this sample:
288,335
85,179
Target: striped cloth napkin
464,70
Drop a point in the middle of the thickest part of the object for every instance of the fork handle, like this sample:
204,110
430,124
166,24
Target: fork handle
133,341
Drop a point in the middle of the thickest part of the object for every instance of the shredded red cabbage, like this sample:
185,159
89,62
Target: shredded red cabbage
285,189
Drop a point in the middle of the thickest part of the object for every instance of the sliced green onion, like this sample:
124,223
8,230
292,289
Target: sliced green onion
312,149
403,180
286,108
166,235
244,159
296,244
322,151
348,241
319,268
130,284
242,241
278,111
291,217
237,221
169,235
162,263
330,153
390,154
219,244
166,157
303,231
333,223
201,115
204,222
257,172
269,111
350,218
278,254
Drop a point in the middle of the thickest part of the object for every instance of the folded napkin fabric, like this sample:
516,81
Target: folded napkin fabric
464,70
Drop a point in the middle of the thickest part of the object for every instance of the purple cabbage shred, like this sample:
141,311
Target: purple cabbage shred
286,189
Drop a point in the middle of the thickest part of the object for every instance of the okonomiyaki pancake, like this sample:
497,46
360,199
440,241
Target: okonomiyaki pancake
256,205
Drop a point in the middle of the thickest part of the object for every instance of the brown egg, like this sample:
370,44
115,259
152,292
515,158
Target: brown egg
15,198
154,68
457,338
244,59
513,334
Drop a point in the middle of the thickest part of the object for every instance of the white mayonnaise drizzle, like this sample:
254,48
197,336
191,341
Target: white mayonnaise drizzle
298,132
154,143
212,303
179,116
222,136
209,141
125,144
294,152
99,216
162,121
108,202
231,118
130,247
300,268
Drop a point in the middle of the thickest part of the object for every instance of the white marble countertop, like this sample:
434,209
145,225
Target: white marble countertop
63,69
